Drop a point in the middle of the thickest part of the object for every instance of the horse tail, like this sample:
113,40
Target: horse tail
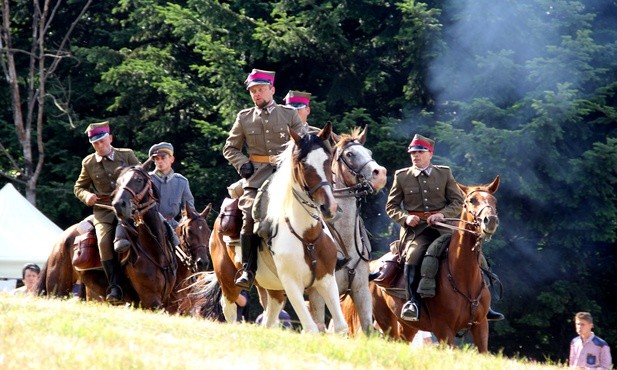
351,316
204,297
41,282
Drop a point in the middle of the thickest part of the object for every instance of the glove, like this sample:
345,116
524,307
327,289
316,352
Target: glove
246,170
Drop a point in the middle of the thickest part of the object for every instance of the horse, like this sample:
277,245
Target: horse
300,252
194,234
462,299
58,274
356,175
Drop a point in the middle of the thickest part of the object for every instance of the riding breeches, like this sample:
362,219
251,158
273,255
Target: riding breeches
416,248
105,236
245,203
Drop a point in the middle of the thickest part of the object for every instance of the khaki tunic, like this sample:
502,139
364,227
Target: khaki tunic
99,177
264,132
413,191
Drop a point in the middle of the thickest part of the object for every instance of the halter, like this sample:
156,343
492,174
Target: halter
362,187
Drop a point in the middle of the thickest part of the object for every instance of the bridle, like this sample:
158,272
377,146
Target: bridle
138,208
184,252
362,187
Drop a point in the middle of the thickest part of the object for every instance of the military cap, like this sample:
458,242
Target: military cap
420,143
298,99
161,148
259,77
97,131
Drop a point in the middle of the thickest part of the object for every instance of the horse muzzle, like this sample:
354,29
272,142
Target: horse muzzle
122,208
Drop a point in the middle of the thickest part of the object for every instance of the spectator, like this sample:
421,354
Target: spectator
29,275
587,351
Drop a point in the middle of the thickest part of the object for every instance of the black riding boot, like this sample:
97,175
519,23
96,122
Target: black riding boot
493,315
411,309
249,244
489,277
171,234
112,271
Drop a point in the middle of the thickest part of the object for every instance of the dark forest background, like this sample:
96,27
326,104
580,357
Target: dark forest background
521,89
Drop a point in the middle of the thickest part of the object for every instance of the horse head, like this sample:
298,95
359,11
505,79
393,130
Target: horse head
133,195
312,162
481,205
194,234
355,164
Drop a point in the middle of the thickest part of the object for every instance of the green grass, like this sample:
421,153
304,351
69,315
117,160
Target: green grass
38,333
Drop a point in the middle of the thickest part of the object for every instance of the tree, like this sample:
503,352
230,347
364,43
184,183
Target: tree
27,72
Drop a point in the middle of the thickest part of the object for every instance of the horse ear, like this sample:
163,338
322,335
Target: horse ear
294,135
325,132
362,137
206,211
335,137
492,187
464,189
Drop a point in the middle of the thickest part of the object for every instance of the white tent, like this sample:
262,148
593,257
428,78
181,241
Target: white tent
26,235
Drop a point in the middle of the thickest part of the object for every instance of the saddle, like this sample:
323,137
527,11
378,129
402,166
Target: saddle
391,268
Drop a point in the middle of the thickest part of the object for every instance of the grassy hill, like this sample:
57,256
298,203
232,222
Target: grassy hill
38,333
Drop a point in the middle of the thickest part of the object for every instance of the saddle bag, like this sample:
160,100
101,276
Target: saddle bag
231,218
86,252
390,269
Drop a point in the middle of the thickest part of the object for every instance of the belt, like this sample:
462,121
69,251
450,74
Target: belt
421,214
263,158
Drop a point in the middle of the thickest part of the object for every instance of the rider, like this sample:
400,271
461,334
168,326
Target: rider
263,128
420,196
300,101
96,182
172,188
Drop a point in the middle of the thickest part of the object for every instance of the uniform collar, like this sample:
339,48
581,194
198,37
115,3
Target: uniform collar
164,177
417,171
109,156
269,108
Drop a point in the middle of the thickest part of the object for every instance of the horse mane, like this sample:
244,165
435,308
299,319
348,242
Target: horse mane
280,191
345,139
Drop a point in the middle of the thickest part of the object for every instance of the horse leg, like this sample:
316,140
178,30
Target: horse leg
317,308
230,311
275,302
479,333
328,289
361,296
295,294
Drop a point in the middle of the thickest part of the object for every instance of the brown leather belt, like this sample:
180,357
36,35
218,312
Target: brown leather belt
263,158
422,215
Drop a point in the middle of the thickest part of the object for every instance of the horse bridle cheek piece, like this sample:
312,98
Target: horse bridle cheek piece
136,199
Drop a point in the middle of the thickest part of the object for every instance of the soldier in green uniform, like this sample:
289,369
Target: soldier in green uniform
96,182
420,196
300,101
263,129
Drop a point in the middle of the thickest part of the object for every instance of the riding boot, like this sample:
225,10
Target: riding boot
411,309
249,244
493,315
121,243
171,235
112,271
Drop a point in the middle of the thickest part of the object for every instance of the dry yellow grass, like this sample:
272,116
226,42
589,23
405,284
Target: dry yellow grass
38,333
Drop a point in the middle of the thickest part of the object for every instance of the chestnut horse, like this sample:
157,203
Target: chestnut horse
301,252
462,298
58,274
356,175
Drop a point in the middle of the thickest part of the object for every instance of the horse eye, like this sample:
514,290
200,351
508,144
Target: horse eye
349,154
473,201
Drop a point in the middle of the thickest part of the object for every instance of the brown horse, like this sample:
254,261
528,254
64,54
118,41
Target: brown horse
462,299
135,192
194,234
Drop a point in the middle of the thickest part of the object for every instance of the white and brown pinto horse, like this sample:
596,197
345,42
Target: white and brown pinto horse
301,252
356,175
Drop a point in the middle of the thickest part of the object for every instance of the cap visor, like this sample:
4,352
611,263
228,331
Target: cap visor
98,137
417,149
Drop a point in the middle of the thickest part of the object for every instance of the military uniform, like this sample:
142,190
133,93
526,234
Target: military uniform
98,176
265,133
173,190
415,191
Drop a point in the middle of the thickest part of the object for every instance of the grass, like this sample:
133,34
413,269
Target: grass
50,334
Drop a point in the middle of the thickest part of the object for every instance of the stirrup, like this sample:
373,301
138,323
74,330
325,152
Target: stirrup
114,297
245,281
410,311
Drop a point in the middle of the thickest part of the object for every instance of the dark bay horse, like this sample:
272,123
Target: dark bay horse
301,252
462,298
135,193
356,175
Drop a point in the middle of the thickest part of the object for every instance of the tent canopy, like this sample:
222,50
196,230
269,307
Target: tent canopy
26,234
